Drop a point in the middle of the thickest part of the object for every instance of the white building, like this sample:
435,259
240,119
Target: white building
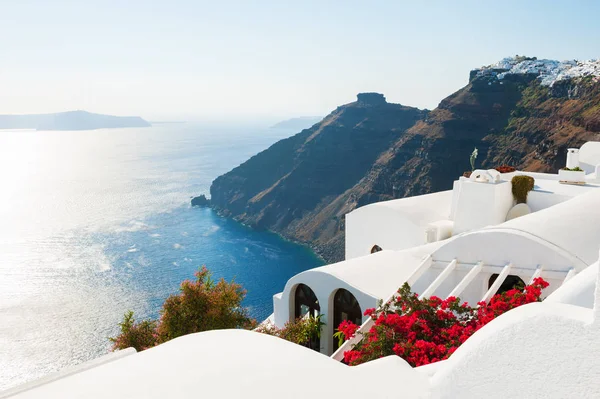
470,242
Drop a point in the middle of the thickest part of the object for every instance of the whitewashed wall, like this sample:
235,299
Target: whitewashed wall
394,225
324,286
538,200
481,204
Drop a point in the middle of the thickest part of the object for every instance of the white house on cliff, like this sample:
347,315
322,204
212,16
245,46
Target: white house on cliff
471,241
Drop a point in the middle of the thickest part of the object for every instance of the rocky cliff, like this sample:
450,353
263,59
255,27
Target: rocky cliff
370,150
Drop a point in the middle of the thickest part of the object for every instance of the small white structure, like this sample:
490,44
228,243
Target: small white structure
571,176
589,156
573,158
345,289
396,224
480,204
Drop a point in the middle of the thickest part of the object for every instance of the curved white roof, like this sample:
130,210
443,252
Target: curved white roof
379,274
589,155
418,210
234,364
579,290
571,225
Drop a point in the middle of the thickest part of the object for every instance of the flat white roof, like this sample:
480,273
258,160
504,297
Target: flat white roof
555,187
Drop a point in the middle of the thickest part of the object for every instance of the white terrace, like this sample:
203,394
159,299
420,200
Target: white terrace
465,242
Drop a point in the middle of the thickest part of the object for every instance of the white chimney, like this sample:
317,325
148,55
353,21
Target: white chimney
573,158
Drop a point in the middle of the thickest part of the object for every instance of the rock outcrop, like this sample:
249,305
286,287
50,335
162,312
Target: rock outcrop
200,201
370,150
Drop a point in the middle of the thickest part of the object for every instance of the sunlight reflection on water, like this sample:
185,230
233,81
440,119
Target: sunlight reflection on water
95,223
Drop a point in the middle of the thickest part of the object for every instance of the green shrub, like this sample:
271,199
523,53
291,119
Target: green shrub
201,305
521,186
303,331
140,335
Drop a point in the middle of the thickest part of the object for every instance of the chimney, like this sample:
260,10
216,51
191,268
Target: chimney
573,158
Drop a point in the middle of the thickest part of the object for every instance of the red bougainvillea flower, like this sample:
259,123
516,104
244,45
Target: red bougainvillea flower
428,330
369,312
348,329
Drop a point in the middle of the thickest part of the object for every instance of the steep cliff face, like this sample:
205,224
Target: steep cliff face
285,187
371,151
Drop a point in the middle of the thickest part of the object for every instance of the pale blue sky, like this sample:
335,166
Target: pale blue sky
225,60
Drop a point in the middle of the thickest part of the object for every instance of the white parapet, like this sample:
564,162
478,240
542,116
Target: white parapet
589,156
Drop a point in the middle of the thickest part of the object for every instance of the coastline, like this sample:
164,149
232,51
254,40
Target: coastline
309,246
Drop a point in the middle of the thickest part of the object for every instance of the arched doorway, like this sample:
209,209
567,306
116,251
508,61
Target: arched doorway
345,307
509,283
376,248
306,304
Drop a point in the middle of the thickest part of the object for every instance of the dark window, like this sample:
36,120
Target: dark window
345,307
306,303
509,283
376,248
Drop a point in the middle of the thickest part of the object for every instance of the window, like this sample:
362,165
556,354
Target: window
376,248
509,283
345,307
306,303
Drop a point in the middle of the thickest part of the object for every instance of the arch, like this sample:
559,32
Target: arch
305,302
509,283
345,307
376,248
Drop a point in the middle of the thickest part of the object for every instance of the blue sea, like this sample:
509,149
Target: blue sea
95,223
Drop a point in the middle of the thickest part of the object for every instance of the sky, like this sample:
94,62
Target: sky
254,60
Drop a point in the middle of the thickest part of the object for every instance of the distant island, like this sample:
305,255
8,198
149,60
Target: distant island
297,124
72,120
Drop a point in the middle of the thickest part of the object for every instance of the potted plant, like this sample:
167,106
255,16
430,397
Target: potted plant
572,176
521,186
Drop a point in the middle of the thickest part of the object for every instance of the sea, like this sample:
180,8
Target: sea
96,223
